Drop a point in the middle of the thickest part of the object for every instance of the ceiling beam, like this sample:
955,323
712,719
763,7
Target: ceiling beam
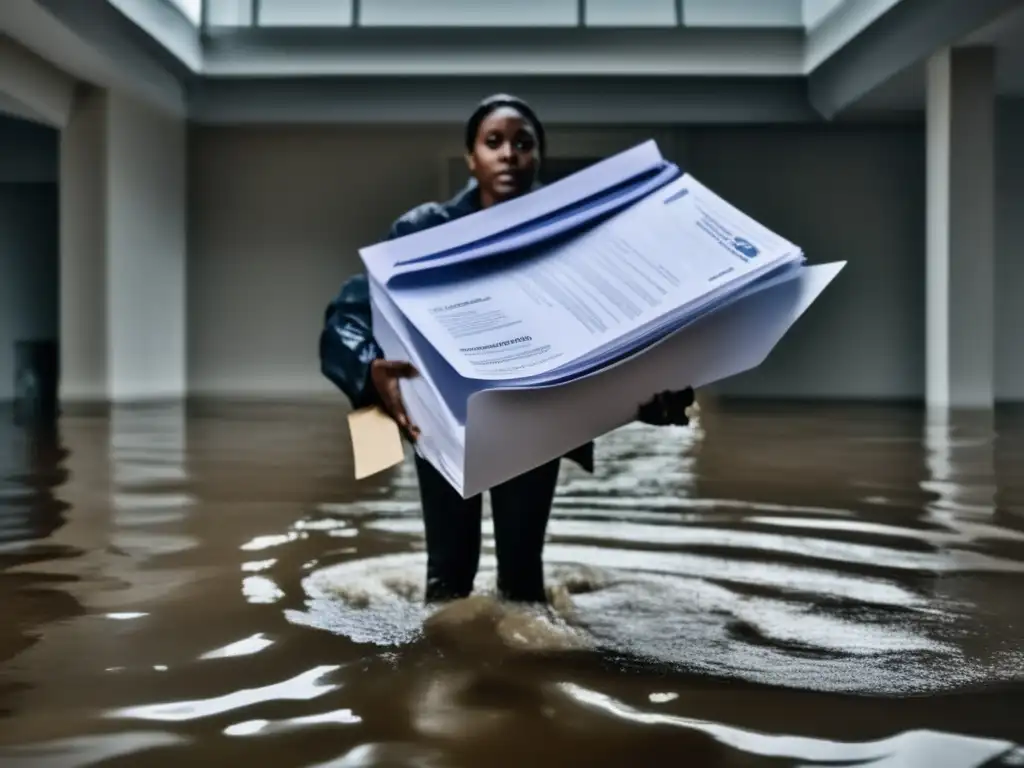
906,34
320,52
40,88
609,101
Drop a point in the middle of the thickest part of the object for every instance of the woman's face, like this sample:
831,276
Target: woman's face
505,158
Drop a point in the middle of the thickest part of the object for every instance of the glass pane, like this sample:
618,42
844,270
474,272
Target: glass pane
305,13
743,13
191,8
229,13
631,13
468,13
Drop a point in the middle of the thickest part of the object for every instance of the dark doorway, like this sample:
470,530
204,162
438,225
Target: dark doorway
29,261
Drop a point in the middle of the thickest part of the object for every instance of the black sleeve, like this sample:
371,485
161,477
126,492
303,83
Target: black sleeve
347,347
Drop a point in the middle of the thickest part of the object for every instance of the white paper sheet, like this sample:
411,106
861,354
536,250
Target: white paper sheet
508,431
530,346
567,203
614,288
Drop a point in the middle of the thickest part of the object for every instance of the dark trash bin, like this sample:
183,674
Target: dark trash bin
36,377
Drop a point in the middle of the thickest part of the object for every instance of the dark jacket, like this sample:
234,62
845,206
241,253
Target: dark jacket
347,347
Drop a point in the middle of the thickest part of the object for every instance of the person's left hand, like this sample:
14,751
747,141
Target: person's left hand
667,408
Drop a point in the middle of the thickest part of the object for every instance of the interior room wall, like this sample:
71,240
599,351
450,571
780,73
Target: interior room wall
277,214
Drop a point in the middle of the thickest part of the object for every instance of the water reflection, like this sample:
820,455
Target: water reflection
960,456
779,585
31,470
303,687
31,459
266,727
1009,448
906,749
248,646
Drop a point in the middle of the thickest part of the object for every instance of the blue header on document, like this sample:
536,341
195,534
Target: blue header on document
735,244
738,246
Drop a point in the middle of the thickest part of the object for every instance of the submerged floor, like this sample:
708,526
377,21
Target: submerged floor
778,585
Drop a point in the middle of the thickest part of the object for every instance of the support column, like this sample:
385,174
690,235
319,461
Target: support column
83,259
123,251
960,229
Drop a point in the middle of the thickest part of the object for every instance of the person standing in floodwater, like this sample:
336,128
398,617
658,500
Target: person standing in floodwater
505,147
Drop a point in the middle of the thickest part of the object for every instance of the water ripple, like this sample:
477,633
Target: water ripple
716,592
829,598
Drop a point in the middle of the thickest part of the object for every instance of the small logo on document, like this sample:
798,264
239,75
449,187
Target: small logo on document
745,247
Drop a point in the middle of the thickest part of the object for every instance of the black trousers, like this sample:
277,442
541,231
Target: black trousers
520,509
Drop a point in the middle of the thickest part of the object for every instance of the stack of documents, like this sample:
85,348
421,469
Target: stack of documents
542,323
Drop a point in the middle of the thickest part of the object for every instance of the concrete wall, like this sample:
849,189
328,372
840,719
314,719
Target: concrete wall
28,239
841,193
276,216
275,219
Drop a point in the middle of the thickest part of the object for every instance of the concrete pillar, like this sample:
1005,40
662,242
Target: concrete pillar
960,229
123,251
83,271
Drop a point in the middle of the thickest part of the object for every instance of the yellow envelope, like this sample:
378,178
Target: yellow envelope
376,441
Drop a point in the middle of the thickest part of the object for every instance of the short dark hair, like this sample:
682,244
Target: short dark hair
498,100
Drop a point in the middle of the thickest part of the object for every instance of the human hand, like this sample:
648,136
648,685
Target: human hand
385,375
667,408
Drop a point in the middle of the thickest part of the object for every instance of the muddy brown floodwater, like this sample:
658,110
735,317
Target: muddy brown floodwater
776,585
